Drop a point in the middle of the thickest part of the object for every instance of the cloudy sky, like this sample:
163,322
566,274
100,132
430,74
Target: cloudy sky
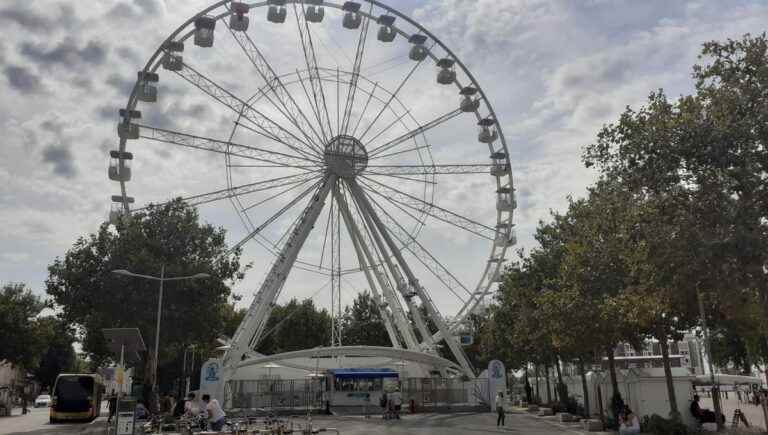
554,71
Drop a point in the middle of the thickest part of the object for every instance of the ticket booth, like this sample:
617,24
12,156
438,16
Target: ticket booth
360,386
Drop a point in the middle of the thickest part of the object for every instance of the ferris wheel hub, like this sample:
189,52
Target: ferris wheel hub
345,156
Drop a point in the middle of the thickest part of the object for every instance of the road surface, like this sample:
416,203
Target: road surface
36,423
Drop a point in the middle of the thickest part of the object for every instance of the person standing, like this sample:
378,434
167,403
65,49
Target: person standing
112,405
215,413
397,402
500,409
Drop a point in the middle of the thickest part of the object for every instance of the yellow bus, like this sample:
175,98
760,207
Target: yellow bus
76,397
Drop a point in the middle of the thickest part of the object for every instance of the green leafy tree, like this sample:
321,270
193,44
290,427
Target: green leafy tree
59,355
700,162
362,323
295,326
91,297
20,334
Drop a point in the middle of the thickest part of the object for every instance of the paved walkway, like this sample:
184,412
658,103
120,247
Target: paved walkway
446,424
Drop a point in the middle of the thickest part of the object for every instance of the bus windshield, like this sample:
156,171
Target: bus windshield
74,388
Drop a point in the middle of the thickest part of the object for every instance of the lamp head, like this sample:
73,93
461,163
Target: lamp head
122,272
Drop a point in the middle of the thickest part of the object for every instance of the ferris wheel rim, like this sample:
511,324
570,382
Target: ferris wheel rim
496,258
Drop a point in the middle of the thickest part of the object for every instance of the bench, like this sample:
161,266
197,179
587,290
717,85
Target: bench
543,412
592,425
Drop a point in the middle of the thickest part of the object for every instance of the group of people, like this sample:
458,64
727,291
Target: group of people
391,403
208,410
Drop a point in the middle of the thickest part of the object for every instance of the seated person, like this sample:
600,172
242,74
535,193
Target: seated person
628,422
703,415
141,411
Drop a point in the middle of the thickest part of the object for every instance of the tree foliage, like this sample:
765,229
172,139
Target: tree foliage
91,297
22,342
362,323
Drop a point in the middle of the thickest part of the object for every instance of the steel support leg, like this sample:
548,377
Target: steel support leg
365,256
454,346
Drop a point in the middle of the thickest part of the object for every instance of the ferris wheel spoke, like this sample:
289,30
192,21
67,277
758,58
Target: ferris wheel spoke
277,159
401,177
264,125
422,254
352,89
287,105
245,189
390,125
365,107
433,210
464,168
401,152
274,217
296,185
391,98
310,57
413,133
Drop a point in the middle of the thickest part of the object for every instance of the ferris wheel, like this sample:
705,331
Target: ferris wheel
354,145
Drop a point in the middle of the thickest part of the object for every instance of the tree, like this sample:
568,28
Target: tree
362,323
22,342
295,326
91,297
59,355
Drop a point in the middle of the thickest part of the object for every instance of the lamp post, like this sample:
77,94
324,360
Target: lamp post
162,278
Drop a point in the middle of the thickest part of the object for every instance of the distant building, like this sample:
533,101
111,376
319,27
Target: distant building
685,353
10,376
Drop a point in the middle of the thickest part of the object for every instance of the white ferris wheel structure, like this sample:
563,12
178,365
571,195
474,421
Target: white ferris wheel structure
329,144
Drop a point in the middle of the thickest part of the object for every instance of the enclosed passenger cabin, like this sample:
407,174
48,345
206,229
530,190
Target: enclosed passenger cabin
146,90
506,235
125,128
127,131
352,17
386,33
119,166
488,133
447,74
238,21
418,52
499,167
468,101
172,60
314,11
276,12
204,27
505,199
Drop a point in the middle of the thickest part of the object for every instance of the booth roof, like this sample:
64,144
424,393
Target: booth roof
362,373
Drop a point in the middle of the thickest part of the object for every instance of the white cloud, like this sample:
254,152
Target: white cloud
555,71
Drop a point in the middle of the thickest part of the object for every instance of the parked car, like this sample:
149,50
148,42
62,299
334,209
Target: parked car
43,400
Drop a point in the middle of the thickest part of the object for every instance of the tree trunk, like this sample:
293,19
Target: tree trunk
527,386
538,392
546,378
562,392
616,400
584,388
612,371
673,411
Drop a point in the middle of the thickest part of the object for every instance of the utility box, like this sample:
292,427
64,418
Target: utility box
124,421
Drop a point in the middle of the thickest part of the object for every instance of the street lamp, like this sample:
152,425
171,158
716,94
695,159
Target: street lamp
162,278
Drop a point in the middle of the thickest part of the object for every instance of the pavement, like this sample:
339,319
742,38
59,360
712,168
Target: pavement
36,423
459,423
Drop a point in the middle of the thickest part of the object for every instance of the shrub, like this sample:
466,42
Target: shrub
658,425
